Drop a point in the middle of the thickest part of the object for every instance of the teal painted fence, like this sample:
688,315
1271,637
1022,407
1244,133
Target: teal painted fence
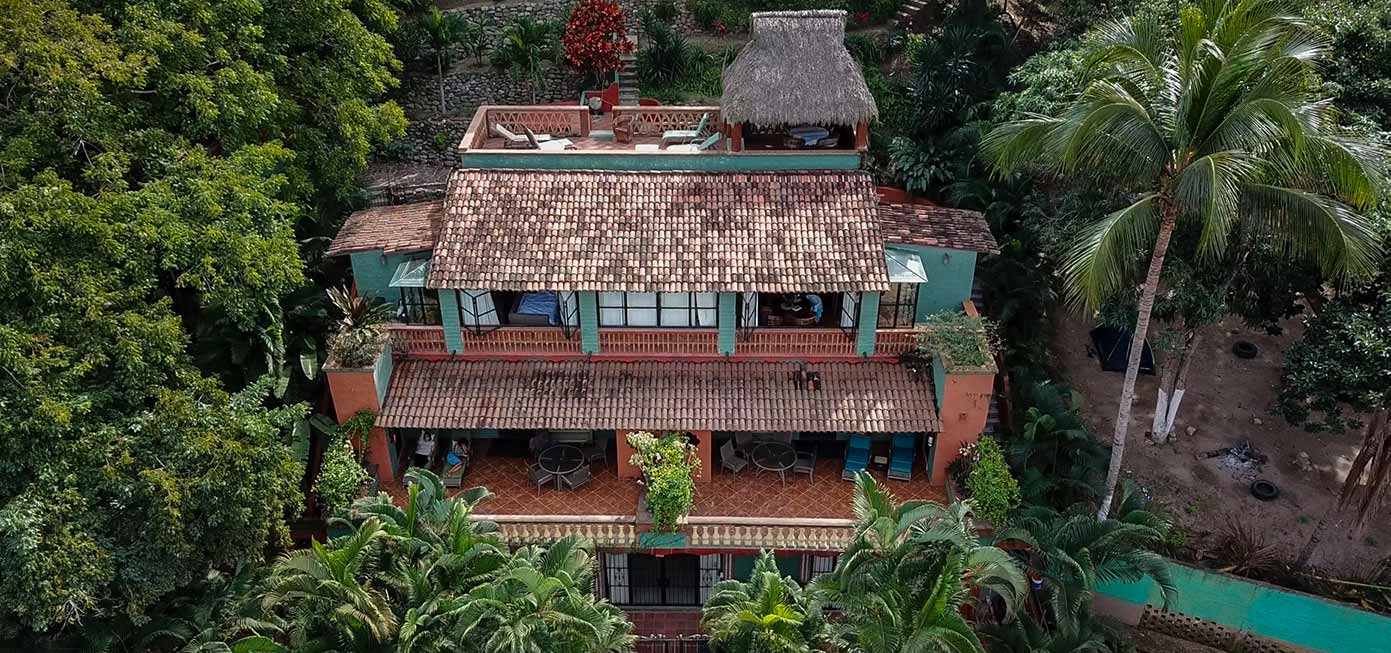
700,162
1268,611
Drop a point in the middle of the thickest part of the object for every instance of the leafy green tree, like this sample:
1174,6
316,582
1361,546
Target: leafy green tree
909,569
768,613
1223,125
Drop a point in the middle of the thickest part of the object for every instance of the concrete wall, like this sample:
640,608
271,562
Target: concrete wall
355,390
1269,611
963,406
372,271
950,276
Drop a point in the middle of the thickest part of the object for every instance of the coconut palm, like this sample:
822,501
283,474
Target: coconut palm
526,47
326,593
1073,552
443,31
907,573
1027,635
768,613
1222,125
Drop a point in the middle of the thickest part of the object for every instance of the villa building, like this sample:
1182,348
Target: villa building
744,283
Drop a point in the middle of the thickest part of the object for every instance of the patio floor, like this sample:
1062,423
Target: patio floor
728,495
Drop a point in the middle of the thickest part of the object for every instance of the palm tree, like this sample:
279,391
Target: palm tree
768,613
541,602
907,573
1072,553
1222,125
326,594
443,30
526,46
1367,484
1027,635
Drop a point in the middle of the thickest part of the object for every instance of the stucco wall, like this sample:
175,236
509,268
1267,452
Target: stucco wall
950,275
372,272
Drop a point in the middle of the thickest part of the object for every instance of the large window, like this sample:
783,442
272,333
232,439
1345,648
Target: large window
419,306
898,306
667,309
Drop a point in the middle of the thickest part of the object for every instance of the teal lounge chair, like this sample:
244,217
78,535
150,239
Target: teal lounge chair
686,135
692,148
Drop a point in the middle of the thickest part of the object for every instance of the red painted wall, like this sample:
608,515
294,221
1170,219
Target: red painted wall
354,390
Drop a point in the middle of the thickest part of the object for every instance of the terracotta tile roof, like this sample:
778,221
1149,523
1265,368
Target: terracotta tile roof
717,396
936,226
399,228
669,231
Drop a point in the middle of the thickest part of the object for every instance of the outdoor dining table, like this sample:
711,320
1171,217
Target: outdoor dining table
560,459
775,457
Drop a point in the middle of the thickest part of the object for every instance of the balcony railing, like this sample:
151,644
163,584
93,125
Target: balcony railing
557,121
777,342
652,121
621,531
659,342
412,340
546,341
895,342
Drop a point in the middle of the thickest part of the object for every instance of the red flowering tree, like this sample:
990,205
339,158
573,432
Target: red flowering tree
595,36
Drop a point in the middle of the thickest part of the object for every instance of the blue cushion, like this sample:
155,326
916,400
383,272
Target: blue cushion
860,456
854,466
859,442
905,441
899,465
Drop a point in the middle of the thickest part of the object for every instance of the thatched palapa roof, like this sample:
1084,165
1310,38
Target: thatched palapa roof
795,70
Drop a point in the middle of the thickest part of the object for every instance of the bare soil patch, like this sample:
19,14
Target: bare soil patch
1229,399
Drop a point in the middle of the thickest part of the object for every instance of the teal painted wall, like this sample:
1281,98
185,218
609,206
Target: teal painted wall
372,272
589,322
704,162
1298,619
449,317
381,374
788,565
869,323
728,322
948,282
939,381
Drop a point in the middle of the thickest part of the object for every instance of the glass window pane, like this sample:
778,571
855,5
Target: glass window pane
642,299
676,317
611,299
676,299
642,316
610,317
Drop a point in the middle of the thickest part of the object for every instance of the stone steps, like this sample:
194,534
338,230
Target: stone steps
908,12
628,93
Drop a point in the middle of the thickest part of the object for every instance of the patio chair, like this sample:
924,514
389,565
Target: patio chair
743,441
540,477
697,147
901,457
687,135
806,464
730,459
598,453
856,456
575,479
548,146
517,141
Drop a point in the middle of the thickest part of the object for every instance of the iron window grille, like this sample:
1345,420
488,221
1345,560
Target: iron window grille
665,309
898,306
569,313
419,306
748,314
673,580
477,312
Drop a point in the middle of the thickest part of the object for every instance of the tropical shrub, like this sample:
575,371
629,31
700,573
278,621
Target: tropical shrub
962,340
770,612
595,35
525,48
358,337
669,464
1342,362
994,492
1055,459
340,477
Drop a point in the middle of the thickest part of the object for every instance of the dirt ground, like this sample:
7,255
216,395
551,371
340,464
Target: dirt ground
1228,399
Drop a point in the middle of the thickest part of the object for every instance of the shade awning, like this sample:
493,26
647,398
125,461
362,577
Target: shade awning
673,396
904,266
411,274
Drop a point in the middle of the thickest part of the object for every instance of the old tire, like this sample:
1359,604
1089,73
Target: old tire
1264,490
1244,349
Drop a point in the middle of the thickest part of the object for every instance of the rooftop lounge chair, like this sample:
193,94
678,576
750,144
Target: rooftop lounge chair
562,144
686,135
702,146
518,141
856,456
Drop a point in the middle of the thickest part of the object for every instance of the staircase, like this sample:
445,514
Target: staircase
628,77
908,13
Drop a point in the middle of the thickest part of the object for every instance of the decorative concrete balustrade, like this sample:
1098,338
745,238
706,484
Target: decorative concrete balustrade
608,531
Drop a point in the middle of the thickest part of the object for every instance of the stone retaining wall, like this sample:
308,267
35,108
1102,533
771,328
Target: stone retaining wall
501,13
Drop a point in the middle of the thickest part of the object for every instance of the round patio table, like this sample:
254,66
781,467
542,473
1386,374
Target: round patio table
775,457
560,459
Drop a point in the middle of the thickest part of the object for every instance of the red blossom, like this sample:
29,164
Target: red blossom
595,36
862,17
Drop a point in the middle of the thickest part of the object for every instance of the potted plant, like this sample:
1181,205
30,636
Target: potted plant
669,464
358,337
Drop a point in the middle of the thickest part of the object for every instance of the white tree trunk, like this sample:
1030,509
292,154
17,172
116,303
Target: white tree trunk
1137,348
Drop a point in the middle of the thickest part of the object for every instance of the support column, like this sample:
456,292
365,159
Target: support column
358,389
705,448
963,405
625,452
449,318
869,323
589,322
862,135
728,323
736,137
